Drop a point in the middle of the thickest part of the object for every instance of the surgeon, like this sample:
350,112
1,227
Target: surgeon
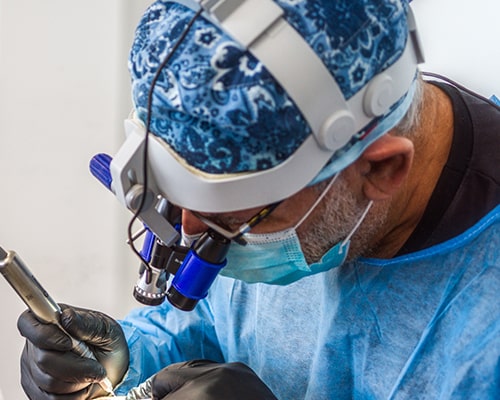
375,271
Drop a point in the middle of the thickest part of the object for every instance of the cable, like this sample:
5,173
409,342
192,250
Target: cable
147,133
461,87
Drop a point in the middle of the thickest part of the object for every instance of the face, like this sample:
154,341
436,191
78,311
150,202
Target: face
284,216
334,219
329,223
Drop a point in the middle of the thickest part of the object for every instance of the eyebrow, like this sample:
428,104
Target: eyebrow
225,221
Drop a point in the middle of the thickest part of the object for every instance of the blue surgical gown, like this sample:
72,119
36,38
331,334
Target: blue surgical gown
424,325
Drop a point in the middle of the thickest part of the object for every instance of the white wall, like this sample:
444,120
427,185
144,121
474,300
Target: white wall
63,94
460,39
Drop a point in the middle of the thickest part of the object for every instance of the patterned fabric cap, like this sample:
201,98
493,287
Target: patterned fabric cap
219,108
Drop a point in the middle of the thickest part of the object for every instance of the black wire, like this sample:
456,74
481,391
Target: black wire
149,112
461,87
147,133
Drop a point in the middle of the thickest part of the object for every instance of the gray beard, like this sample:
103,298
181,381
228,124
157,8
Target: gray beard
334,219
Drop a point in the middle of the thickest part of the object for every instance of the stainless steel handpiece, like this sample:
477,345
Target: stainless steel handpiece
28,288
40,302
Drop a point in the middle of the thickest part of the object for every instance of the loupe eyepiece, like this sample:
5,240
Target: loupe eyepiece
198,271
151,287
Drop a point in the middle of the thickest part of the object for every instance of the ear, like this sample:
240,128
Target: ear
385,166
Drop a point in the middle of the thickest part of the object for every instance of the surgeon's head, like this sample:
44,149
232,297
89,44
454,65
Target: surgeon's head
277,102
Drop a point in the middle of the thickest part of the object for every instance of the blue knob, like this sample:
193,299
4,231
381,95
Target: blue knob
99,167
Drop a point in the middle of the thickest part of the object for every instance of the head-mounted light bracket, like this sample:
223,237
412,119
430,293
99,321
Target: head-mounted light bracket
259,25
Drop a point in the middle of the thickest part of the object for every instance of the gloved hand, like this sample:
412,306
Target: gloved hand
206,380
48,366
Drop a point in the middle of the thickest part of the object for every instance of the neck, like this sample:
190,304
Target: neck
432,146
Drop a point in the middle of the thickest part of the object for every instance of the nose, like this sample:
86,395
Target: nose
192,225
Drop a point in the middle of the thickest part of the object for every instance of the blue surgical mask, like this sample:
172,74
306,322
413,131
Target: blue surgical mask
277,258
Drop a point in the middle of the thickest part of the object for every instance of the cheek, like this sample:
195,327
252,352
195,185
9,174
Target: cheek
337,213
288,213
192,225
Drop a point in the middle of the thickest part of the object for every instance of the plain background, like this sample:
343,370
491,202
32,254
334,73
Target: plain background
64,92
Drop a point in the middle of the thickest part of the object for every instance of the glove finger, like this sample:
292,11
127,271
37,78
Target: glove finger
40,386
44,336
104,336
201,363
51,385
211,382
168,380
90,326
64,367
176,375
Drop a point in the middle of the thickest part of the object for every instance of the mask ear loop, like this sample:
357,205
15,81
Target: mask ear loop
360,220
323,194
318,200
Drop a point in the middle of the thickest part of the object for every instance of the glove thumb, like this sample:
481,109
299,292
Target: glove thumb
103,335
90,326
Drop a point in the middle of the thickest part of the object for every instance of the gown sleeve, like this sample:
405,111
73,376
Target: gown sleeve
161,335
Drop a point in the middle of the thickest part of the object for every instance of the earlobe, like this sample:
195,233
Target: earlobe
386,165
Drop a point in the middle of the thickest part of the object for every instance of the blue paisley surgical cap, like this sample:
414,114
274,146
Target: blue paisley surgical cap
218,107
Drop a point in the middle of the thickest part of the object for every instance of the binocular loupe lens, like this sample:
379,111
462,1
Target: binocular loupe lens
150,288
198,271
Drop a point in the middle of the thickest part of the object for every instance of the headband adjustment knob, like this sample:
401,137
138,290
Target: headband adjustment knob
337,130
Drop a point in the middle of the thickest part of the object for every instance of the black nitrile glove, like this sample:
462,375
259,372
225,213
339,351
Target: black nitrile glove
206,380
50,370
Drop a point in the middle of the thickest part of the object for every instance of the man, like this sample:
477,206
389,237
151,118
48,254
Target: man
373,276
